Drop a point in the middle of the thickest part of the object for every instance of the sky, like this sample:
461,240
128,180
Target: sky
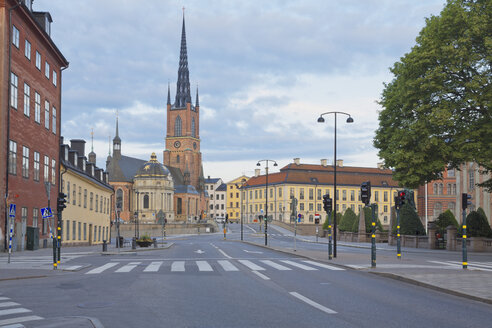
265,70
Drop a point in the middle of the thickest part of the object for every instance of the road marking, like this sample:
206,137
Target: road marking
129,267
153,267
262,276
102,268
20,319
71,268
276,265
326,266
7,304
199,251
12,311
479,266
299,265
204,266
313,303
227,266
254,252
178,266
251,265
4,298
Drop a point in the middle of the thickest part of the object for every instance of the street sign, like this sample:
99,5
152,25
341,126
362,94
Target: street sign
12,210
46,212
299,217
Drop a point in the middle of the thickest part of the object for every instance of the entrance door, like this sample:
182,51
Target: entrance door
90,234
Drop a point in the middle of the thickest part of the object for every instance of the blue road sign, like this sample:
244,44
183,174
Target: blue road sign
299,217
46,212
12,210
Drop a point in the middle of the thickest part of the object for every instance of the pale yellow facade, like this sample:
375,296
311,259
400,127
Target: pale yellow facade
233,196
86,219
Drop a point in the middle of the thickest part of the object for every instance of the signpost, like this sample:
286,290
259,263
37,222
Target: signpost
317,217
12,209
46,214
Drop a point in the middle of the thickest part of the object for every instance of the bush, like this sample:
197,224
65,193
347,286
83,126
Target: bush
477,225
368,219
446,219
410,223
339,219
348,219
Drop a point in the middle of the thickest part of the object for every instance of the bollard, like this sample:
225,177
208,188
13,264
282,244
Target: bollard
105,246
155,242
134,243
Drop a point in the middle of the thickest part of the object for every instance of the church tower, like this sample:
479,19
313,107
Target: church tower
183,124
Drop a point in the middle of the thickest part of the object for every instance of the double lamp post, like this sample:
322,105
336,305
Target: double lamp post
266,194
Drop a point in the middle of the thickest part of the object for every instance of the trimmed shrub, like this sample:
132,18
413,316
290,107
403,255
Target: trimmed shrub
410,223
477,225
368,219
446,219
339,219
348,219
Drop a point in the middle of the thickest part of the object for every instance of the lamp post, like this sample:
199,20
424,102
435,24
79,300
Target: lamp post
322,120
241,190
266,194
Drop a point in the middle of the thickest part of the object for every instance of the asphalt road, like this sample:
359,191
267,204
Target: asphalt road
206,281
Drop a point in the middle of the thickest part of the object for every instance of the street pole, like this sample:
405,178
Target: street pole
398,241
266,207
373,236
330,251
242,214
463,241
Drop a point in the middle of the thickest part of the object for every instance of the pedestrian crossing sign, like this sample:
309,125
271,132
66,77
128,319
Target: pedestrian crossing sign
46,212
12,210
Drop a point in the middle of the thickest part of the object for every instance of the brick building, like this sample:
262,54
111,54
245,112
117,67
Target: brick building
438,196
30,98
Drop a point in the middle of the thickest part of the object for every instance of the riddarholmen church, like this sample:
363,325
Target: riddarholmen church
175,189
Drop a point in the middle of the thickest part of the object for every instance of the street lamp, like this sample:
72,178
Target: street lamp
266,194
322,120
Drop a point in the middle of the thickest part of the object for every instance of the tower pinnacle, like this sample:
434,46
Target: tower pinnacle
183,85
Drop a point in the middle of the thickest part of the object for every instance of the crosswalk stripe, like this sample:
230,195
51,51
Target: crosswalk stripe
129,267
204,266
326,266
4,298
474,265
7,304
227,266
102,268
71,268
251,265
20,319
178,266
153,267
276,265
299,265
13,311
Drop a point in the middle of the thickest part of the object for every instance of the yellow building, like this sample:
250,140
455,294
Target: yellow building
308,183
233,196
86,218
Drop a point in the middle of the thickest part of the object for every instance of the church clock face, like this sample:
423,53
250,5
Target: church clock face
177,144
194,145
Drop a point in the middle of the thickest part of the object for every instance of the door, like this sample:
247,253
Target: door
90,234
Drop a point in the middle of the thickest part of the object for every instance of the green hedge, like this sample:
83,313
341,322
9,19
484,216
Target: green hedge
368,219
339,219
477,225
410,223
446,219
348,219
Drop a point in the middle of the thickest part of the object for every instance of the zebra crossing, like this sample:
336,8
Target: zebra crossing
12,313
483,266
42,261
451,265
210,266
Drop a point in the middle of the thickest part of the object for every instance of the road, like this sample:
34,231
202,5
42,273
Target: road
206,281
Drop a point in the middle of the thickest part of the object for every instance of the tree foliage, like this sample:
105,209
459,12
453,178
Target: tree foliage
446,219
368,219
477,225
348,219
410,223
339,219
437,109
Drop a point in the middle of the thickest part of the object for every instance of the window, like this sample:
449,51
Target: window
222,197
37,107
454,189
237,204
318,207
311,194
100,204
352,195
85,198
448,189
434,187
146,201
47,114
47,70
91,199
311,206
292,192
318,194
55,77
231,194
74,230
441,187
472,179
385,196
27,50
376,196
53,171
67,230
177,159
193,131
179,204
38,60
25,162
451,173
385,209
230,204
80,196
344,194
27,100
74,196
452,207
53,123
279,192
119,199
35,217
13,90
85,231
211,207
338,194
437,209
237,195
80,230
177,127
256,194
15,36
12,157
301,206
46,168
24,215
301,193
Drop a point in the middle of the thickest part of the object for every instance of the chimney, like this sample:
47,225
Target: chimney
78,145
381,165
324,162
72,157
340,162
82,162
257,172
297,161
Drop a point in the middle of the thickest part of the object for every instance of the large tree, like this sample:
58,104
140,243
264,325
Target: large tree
437,110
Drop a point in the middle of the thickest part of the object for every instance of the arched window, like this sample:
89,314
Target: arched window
119,199
146,201
177,127
435,188
441,187
177,159
193,132
437,209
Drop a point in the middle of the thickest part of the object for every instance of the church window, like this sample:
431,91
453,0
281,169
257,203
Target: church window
177,127
177,159
193,131
119,199
146,201
180,206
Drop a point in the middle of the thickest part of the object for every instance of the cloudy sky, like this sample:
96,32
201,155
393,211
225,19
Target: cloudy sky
265,70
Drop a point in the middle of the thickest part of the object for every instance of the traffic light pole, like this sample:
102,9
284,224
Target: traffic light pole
463,242
373,236
330,250
398,241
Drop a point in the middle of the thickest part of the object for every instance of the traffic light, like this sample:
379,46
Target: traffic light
60,202
365,192
227,218
400,199
327,203
465,201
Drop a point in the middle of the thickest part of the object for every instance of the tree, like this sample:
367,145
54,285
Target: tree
368,219
437,109
410,223
477,225
446,219
339,219
347,222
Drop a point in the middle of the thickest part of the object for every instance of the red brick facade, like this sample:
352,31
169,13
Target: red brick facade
441,196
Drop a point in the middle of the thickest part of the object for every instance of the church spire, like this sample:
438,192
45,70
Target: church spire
92,154
168,94
183,85
117,141
197,103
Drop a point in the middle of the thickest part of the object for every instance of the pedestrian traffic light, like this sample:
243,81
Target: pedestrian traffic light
327,203
365,192
61,200
465,201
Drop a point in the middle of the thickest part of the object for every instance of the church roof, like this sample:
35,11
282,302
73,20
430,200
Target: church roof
124,169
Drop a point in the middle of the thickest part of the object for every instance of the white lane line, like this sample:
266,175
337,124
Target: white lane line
479,265
250,228
12,311
227,266
313,303
153,267
7,304
129,267
71,268
204,266
4,298
20,319
276,265
299,265
178,266
102,268
251,265
326,266
262,276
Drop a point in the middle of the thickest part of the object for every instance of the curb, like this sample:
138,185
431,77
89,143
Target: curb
20,278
